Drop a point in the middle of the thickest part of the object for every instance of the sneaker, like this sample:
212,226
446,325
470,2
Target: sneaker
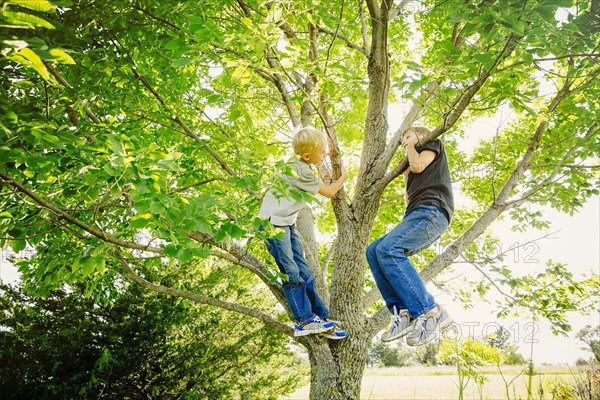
336,333
400,325
428,326
313,326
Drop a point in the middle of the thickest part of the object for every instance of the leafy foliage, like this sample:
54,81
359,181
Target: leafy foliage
140,345
591,337
139,136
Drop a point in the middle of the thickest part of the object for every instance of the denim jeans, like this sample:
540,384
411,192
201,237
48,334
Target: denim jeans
299,289
398,281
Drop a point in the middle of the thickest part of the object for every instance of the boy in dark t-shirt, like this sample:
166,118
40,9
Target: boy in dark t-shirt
429,209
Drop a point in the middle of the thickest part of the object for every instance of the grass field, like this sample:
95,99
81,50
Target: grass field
437,383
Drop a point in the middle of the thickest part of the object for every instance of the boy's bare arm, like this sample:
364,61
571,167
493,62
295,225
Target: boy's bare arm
417,162
329,190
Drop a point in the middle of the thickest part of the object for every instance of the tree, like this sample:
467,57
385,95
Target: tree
139,136
426,355
500,340
468,355
382,355
591,337
139,345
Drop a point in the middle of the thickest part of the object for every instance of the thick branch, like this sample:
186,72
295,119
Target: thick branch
266,319
280,85
242,257
374,9
451,116
363,28
412,115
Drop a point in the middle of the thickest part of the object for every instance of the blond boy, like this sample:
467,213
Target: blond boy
310,313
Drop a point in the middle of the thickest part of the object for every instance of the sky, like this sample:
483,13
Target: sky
574,241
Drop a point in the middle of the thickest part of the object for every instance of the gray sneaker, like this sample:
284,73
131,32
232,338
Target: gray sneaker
428,326
400,325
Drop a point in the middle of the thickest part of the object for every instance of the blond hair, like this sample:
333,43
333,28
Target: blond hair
420,131
306,140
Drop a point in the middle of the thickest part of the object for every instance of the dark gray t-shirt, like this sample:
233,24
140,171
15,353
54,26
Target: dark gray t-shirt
434,183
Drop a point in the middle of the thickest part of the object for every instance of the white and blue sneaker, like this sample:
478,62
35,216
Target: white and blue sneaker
315,325
336,333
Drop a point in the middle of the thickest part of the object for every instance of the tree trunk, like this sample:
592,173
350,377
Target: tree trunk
337,369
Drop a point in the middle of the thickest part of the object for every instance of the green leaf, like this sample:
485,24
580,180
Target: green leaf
242,74
61,56
185,255
36,5
527,58
203,226
486,59
156,207
23,20
171,250
180,62
177,44
88,265
18,245
140,220
28,58
221,235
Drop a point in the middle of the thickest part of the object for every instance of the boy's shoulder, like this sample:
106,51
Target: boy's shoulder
299,166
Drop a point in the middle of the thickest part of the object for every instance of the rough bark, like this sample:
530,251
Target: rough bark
306,228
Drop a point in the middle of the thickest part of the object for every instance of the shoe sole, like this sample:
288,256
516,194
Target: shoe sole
306,332
442,326
333,337
399,335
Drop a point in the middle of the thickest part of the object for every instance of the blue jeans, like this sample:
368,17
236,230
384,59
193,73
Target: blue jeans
398,281
299,289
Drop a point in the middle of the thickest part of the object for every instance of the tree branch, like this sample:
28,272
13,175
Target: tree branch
451,116
344,39
363,28
266,319
280,85
548,59
241,257
557,169
48,205
374,9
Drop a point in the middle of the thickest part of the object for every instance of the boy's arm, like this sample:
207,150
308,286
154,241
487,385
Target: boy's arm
329,190
417,162
405,175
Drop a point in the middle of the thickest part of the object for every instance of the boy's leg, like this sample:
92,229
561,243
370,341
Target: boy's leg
385,288
420,228
295,287
307,273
